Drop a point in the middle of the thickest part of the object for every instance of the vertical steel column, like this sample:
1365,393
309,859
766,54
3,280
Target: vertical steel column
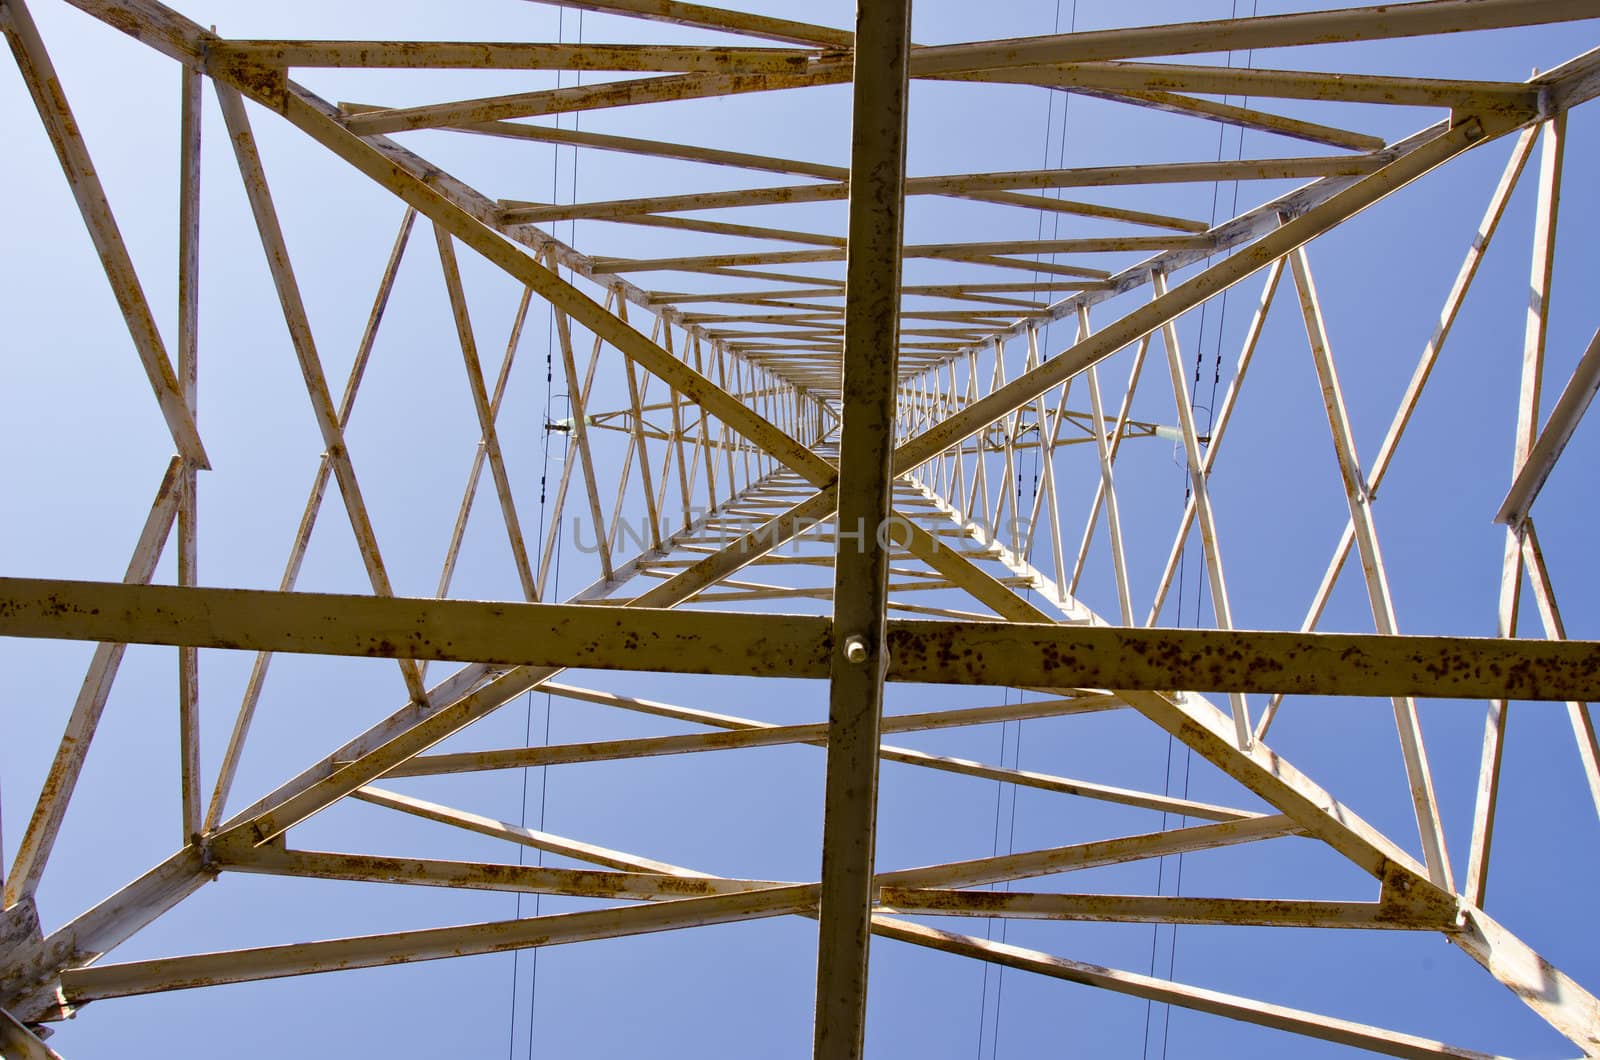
861,565
188,381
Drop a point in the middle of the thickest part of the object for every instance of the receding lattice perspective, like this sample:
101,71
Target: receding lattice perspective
785,465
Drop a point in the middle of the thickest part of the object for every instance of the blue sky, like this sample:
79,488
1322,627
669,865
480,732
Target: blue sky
88,447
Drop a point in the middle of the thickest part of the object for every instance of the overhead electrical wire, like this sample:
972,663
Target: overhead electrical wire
1210,410
1015,728
549,426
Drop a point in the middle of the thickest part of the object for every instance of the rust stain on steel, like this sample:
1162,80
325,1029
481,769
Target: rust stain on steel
397,627
1249,661
265,84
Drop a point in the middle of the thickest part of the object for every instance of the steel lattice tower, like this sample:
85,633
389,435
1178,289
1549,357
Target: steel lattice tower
856,458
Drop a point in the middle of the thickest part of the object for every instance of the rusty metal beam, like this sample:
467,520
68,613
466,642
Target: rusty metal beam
858,663
1569,410
1165,909
1022,654
423,628
269,962
484,876
1472,96
509,55
703,16
1385,22
1249,1010
18,1042
189,135
372,122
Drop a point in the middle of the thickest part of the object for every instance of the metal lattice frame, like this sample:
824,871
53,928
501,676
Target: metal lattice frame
800,452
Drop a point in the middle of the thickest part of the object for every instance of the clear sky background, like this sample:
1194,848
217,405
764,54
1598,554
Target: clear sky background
86,447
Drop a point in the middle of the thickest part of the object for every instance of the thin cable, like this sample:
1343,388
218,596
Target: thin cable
544,801
1166,778
1011,846
1160,875
988,930
511,1035
1016,754
1188,488
988,924
544,478
527,738
1216,379
1061,155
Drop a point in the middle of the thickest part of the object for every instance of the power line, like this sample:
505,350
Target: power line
1038,455
544,480
1210,408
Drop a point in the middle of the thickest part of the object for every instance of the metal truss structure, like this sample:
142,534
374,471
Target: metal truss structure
806,431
